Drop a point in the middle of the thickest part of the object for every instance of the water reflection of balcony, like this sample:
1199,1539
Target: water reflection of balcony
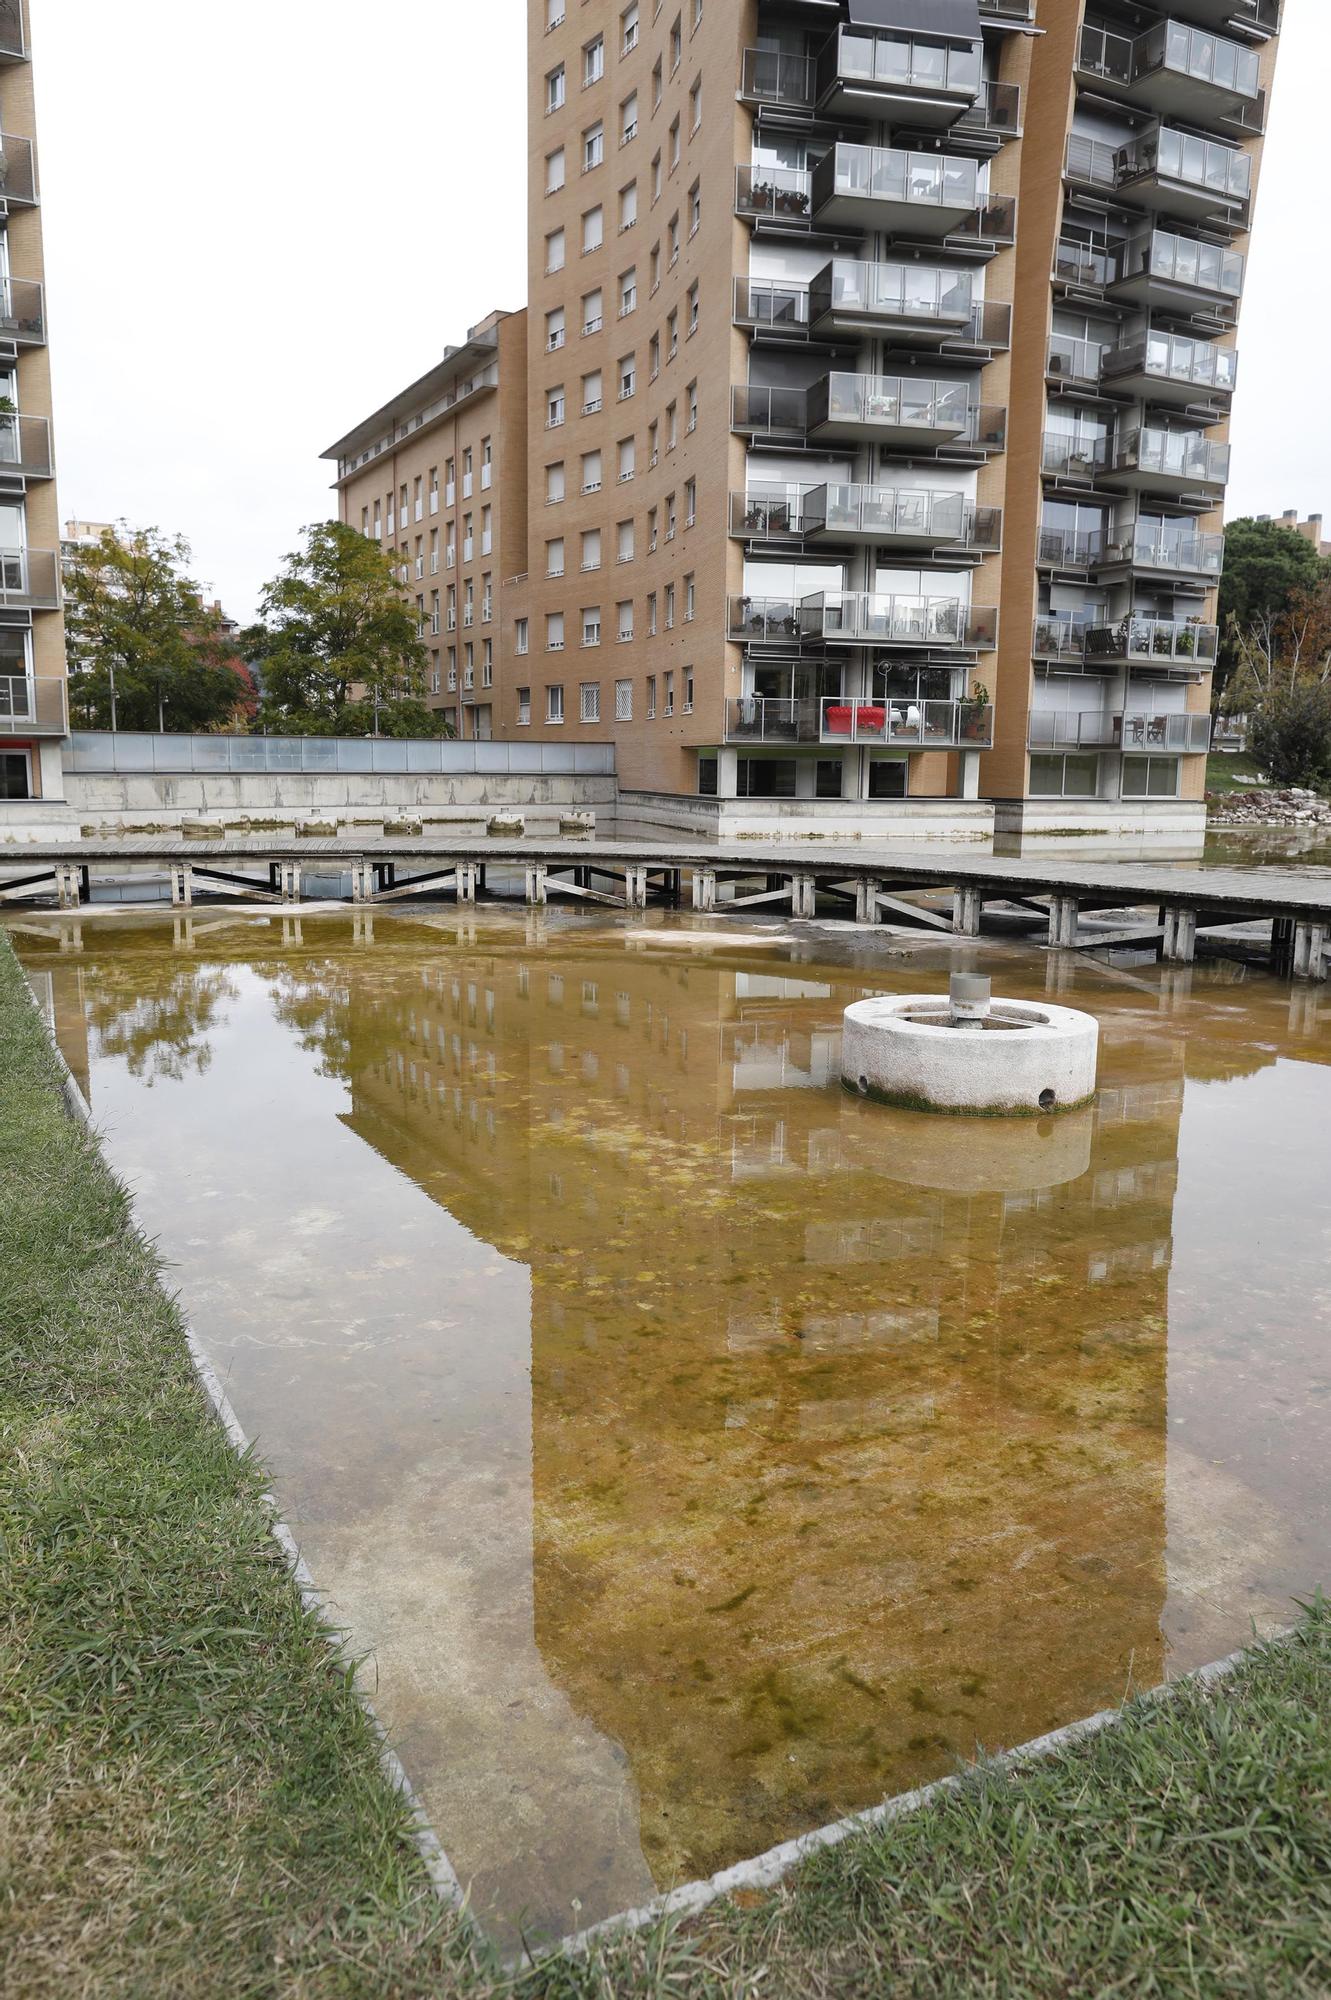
836,719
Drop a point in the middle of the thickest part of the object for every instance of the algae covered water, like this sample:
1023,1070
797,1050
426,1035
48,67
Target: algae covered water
696,1452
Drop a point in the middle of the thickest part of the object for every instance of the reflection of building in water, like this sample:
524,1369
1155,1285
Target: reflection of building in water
835,1474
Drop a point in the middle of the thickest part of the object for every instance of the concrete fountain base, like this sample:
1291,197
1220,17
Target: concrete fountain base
922,1052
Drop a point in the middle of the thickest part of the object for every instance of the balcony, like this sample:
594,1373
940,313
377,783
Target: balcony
1260,16
1070,548
1165,171
873,618
1158,461
22,312
1180,274
769,77
1170,368
13,41
885,76
905,301
18,172
29,579
925,725
886,188
772,515
1058,729
994,117
33,705
1074,361
1176,70
1196,554
1156,642
1086,267
1079,461
780,195
1017,11
25,447
889,516
778,414
903,414
772,307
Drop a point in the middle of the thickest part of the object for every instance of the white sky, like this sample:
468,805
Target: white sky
258,226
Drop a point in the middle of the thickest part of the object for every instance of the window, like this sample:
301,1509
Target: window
450,551
695,106
628,206
668,694
690,595
628,375
651,531
624,623
593,146
591,548
554,89
691,403
449,488
1076,776
524,706
1150,777
487,463
378,522
628,29
627,454
670,517
591,472
670,607
651,697
628,291
593,311
554,631
695,208
469,665
487,663
434,552
554,14
468,603
554,704
624,541
554,170
673,148
672,335
434,489
623,701
554,251
451,609
672,427
672,240
521,638
690,502
693,306
656,266
554,481
420,558
487,531
651,614
554,330
418,499
452,669
554,556
656,177
658,83
688,690
628,118
653,357
707,777
591,626
589,701
591,393
697,13
593,61
676,43
592,230
554,407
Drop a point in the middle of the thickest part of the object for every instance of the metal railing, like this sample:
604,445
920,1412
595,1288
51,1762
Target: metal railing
1094,265
1058,729
1188,733
13,41
33,702
919,725
1067,457
774,193
996,112
1172,641
757,407
767,76
1175,357
30,578
1188,456
913,292
1196,554
1170,46
134,751
889,513
1074,360
1182,260
772,305
881,60
22,310
884,173
18,171
872,618
25,445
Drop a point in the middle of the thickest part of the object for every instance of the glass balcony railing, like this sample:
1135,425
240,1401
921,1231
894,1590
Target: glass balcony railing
1059,639
891,175
33,704
871,618
767,76
774,194
18,173
1070,548
1099,729
913,293
1171,641
1183,261
1195,554
776,514
764,620
1205,167
25,445
1143,731
879,63
1088,265
1188,457
757,718
995,114
921,725
13,39
1174,359
1065,457
888,513
29,579
1171,49
772,306
770,411
1071,359
891,403
22,311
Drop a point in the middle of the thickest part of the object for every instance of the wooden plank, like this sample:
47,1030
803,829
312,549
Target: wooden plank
929,919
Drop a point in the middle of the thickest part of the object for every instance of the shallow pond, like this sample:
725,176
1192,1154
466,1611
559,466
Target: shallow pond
696,1451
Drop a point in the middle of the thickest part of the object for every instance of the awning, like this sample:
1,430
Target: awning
958,20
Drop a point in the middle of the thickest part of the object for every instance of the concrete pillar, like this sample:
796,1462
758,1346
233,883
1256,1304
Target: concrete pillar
362,882
802,896
290,881
1310,943
806,777
852,774
536,882
970,774
182,883
1063,913
866,901
635,888
727,773
1180,941
466,878
704,888
67,885
967,905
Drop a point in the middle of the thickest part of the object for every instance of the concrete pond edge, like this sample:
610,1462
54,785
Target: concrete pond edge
761,1871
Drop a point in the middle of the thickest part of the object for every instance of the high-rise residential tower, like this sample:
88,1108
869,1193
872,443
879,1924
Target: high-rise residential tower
33,705
879,356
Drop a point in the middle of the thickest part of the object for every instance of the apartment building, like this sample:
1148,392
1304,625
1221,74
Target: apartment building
438,478
33,703
879,356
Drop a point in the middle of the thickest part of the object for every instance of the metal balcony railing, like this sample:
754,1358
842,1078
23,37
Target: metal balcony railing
33,704
1059,729
1187,456
872,618
18,171
1074,360
892,174
769,77
1170,641
1171,46
13,40
1065,457
895,63
777,194
30,579
771,305
1182,260
22,311
914,293
921,725
1177,358
995,114
25,445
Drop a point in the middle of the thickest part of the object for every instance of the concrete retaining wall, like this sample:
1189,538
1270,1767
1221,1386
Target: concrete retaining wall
661,816
1163,829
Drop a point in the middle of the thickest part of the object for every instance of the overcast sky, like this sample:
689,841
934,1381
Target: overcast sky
263,218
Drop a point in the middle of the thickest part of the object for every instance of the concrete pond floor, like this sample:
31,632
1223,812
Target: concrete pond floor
695,1452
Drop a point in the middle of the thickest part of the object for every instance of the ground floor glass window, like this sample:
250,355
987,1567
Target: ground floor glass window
1150,777
887,778
15,775
1071,777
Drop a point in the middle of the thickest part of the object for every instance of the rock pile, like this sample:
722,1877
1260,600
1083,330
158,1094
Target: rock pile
1291,807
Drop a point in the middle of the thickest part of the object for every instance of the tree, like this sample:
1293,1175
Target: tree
337,649
1291,735
1275,652
145,652
1266,565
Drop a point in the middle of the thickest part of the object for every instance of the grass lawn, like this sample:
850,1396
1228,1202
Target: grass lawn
1233,771
191,1803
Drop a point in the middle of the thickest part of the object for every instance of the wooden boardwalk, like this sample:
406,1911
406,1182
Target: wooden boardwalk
1161,901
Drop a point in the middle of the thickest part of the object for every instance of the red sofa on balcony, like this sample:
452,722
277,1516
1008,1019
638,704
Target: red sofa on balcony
867,721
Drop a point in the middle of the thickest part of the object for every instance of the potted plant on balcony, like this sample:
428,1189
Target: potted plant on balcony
971,712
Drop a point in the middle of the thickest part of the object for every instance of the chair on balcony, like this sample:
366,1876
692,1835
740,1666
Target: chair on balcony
1156,729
